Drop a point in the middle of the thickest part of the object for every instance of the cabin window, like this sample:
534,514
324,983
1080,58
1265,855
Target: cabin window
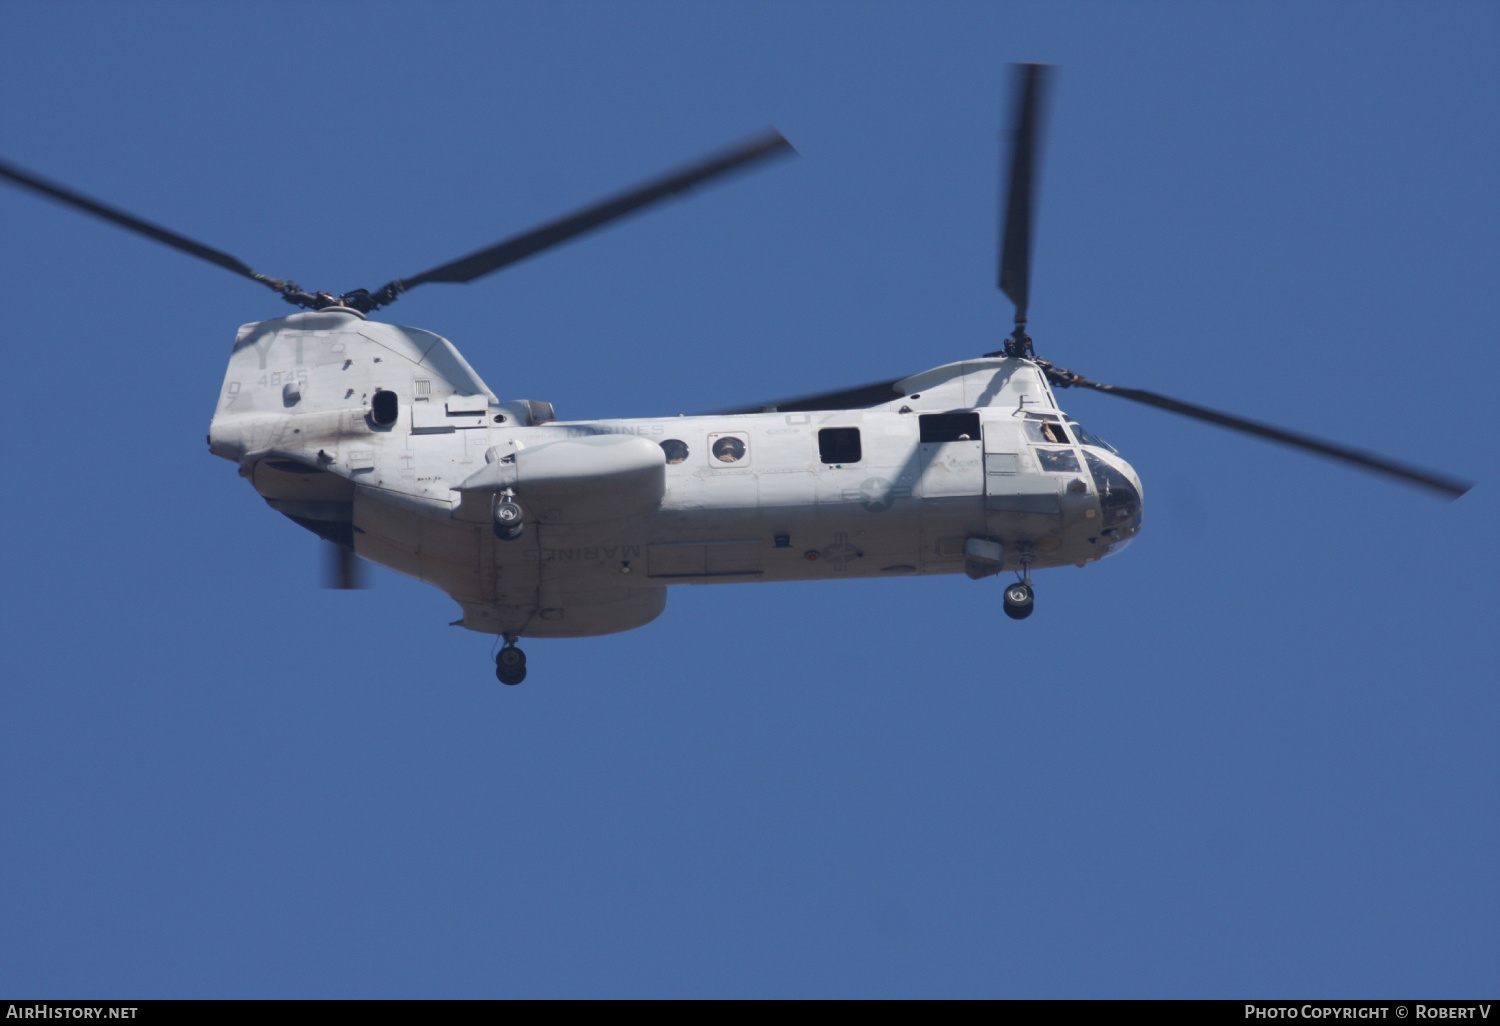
384,407
729,449
676,450
949,427
839,445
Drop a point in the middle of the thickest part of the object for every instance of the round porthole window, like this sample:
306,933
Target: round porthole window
676,450
729,449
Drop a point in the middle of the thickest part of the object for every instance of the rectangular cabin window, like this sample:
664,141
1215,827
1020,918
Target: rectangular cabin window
839,445
949,427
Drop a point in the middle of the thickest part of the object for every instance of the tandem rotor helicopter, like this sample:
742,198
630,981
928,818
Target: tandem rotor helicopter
386,443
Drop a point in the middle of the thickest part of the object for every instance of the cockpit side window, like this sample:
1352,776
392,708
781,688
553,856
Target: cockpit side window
1046,429
1057,460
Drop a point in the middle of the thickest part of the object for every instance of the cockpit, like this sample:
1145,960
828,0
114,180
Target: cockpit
1117,486
1115,482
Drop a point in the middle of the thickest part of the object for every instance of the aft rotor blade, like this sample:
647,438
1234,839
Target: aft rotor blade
1020,195
130,222
1423,478
502,254
843,399
342,569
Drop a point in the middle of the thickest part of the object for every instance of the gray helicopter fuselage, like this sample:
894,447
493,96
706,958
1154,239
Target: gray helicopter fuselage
970,470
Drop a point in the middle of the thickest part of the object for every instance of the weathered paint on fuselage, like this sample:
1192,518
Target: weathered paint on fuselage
298,389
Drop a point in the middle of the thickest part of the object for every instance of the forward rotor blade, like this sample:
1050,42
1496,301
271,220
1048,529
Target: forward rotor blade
1405,472
485,261
130,222
1020,199
843,399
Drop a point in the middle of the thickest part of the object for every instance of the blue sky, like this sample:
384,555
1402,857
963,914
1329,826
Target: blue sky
1253,755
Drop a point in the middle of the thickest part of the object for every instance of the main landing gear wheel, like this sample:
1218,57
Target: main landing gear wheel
1019,600
509,520
510,664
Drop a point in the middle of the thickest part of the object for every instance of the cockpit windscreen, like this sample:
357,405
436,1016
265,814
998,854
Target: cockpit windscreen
1087,437
1118,500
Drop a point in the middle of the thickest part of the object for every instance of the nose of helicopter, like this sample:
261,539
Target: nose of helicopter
1125,532
1140,494
1134,478
1119,489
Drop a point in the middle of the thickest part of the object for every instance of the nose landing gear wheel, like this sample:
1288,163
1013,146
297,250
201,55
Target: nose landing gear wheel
1019,601
510,664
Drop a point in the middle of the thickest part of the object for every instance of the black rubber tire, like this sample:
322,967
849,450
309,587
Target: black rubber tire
507,533
510,656
508,514
1019,601
510,675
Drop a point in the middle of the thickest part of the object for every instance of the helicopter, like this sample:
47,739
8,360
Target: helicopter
386,443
